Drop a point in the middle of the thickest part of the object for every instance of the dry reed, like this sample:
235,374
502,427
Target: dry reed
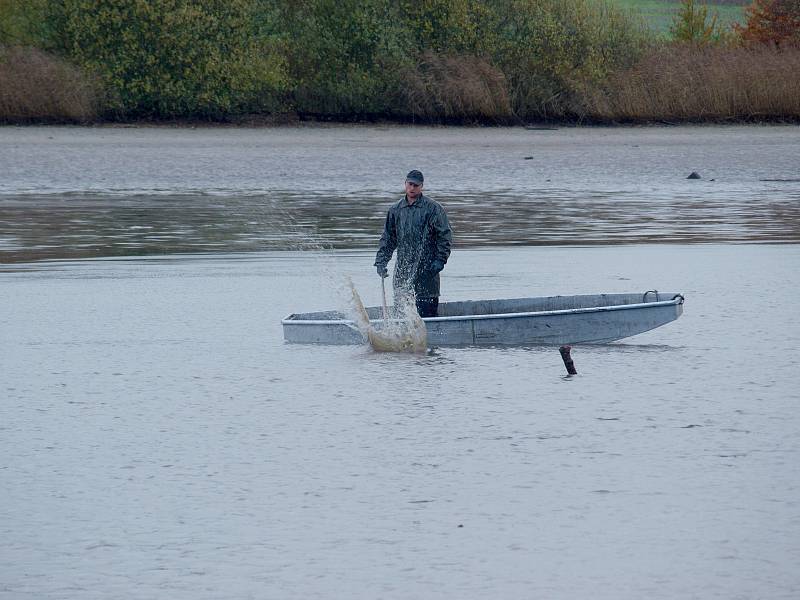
681,83
36,86
455,88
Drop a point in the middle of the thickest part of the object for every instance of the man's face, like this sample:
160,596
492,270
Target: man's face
413,190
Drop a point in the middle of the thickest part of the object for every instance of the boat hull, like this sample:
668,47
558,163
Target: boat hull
553,320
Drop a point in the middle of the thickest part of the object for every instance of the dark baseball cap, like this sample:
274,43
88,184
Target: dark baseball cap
415,177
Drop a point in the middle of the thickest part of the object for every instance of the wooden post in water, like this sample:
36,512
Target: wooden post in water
565,350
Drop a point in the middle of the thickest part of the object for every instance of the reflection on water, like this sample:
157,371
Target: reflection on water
86,192
89,225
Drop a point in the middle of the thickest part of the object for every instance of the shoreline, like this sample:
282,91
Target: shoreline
289,121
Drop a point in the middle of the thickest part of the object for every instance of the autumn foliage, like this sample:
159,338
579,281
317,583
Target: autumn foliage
772,22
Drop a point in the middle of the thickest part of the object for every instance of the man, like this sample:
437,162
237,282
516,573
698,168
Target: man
417,227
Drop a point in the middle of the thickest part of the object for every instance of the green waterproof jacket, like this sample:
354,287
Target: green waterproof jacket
420,233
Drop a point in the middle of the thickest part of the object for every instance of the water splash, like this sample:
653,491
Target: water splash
400,331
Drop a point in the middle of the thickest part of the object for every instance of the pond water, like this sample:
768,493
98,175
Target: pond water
160,440
73,192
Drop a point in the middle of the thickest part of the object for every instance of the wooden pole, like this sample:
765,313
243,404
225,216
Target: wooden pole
565,350
384,306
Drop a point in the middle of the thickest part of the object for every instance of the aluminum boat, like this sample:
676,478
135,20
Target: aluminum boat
551,320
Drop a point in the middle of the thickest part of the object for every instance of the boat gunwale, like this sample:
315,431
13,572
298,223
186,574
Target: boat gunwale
676,300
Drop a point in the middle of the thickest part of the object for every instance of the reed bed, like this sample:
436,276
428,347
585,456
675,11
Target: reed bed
682,83
36,86
455,88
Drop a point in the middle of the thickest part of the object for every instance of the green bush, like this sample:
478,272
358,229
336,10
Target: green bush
550,50
353,57
173,58
428,59
24,23
446,26
343,55
358,57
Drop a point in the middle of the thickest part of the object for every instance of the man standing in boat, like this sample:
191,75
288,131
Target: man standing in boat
417,227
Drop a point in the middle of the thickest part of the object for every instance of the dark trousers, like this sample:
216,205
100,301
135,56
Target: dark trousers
428,307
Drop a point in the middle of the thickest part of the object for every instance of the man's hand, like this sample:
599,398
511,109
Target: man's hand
437,266
382,271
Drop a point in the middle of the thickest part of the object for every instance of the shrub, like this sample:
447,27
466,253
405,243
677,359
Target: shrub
551,50
772,22
446,26
168,58
24,23
37,86
343,55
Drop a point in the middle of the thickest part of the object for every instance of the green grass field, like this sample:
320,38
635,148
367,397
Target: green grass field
658,14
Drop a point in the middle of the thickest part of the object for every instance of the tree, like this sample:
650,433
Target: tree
772,22
692,25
